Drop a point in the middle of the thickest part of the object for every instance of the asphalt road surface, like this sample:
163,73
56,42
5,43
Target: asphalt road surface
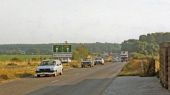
80,81
135,85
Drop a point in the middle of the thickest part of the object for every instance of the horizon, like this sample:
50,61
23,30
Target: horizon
58,43
78,42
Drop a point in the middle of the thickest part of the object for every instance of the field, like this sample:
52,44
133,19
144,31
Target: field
19,66
22,57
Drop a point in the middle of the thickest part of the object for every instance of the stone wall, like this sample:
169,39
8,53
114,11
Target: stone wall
165,64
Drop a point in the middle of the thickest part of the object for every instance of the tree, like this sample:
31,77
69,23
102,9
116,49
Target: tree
80,52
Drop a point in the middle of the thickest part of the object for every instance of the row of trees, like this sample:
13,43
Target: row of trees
47,48
147,44
26,49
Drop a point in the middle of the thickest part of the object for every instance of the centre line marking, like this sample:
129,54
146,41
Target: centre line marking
54,81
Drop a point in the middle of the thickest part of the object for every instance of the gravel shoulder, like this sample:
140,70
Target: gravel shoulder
134,85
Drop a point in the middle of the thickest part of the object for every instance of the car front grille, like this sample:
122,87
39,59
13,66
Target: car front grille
44,70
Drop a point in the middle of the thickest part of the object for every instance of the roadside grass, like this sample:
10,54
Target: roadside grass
20,66
14,72
18,70
19,58
132,68
141,67
75,64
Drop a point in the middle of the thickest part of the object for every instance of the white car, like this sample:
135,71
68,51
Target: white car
87,62
49,67
65,60
99,60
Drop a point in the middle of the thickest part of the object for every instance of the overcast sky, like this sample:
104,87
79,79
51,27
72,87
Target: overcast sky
53,21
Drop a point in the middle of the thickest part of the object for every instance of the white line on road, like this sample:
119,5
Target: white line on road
54,81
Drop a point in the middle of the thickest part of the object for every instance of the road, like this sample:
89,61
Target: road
77,81
135,85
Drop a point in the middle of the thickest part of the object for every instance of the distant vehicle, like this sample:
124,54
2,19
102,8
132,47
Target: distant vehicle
49,67
99,60
87,62
65,60
124,56
108,59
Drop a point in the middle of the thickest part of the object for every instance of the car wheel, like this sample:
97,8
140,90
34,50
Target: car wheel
38,76
61,72
55,74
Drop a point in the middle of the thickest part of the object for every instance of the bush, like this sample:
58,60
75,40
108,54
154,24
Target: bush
149,67
34,59
4,77
23,75
75,64
137,56
15,59
12,64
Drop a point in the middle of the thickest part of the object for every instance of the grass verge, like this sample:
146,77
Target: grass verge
13,70
132,68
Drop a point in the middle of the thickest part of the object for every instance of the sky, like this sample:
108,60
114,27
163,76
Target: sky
81,21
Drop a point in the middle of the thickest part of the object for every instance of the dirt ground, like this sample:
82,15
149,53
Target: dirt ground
136,86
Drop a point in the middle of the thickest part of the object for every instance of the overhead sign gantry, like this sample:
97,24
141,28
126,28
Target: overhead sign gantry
62,51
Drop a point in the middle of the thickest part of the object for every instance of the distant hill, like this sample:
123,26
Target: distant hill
47,48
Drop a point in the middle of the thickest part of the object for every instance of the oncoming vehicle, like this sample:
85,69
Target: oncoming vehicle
65,60
99,60
87,62
124,56
49,67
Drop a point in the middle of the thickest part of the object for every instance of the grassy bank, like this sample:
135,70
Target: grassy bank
14,72
13,69
18,66
132,68
140,67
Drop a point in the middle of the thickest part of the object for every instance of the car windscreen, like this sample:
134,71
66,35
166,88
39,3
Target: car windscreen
86,59
98,59
45,63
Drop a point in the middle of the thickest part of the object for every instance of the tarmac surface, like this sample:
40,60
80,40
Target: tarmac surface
136,86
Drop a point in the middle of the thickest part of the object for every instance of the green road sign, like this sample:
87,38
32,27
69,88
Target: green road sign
61,48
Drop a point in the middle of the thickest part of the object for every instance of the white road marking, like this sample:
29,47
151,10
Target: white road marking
54,81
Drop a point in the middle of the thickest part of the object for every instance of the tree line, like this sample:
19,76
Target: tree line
146,44
36,49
